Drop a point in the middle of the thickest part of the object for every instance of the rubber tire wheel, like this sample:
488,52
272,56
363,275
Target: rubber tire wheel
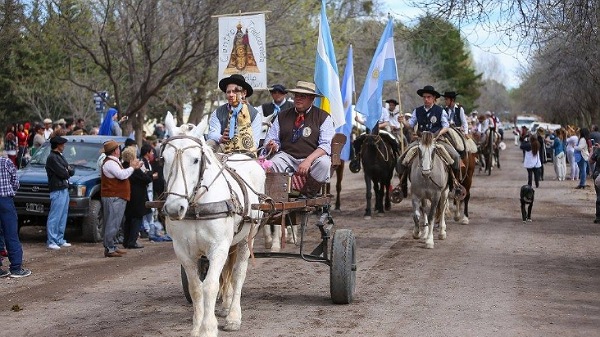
93,224
202,270
343,267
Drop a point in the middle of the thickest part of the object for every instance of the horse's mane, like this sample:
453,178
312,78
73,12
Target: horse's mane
427,138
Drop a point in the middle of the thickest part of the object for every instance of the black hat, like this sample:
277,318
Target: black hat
279,88
57,140
129,142
392,101
428,90
450,94
236,79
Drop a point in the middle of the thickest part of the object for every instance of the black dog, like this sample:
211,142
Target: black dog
527,194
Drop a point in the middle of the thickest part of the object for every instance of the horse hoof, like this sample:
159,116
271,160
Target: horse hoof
456,218
442,236
396,197
380,214
268,245
221,312
388,208
367,217
232,326
465,221
429,245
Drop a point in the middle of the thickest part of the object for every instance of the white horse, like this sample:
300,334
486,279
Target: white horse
208,209
429,183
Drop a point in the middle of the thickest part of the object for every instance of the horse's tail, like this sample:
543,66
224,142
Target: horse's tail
227,273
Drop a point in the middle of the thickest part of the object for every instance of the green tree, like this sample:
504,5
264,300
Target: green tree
439,45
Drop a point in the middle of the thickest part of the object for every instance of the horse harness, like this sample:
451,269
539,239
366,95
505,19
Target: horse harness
211,210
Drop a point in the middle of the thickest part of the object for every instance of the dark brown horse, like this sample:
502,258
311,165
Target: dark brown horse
466,171
378,158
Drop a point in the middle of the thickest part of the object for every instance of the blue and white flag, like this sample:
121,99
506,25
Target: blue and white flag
382,68
347,94
327,78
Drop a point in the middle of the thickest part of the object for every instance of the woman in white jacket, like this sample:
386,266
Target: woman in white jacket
582,155
532,161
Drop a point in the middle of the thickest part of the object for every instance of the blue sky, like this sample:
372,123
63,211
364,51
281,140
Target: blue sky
484,46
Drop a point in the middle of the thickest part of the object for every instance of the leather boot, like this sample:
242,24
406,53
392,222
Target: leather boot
311,187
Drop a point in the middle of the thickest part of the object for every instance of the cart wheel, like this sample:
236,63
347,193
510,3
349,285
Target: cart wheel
343,267
202,270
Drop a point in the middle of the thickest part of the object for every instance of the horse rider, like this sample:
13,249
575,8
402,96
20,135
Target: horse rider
394,113
234,126
456,112
428,117
271,109
301,140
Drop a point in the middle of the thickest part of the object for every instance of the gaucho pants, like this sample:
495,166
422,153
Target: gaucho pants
113,211
319,169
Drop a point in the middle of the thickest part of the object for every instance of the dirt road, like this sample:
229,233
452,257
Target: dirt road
493,277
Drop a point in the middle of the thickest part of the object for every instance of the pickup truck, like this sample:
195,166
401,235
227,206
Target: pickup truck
32,200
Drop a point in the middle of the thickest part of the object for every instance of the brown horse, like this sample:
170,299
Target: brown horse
339,175
466,171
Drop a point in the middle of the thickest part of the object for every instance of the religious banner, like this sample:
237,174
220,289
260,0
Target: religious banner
242,48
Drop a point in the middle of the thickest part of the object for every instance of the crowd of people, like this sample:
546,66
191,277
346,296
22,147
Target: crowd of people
298,135
579,148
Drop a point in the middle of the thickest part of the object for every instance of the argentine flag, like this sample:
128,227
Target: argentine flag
347,94
327,79
382,68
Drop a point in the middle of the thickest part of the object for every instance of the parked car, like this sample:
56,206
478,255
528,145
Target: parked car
32,200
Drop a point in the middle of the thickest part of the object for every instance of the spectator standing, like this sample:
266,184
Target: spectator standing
115,191
571,144
10,144
541,136
59,172
582,155
532,161
38,139
136,206
9,184
558,153
48,130
22,145
159,131
79,128
594,159
595,134
147,156
110,126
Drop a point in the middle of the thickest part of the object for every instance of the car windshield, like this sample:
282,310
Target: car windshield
79,155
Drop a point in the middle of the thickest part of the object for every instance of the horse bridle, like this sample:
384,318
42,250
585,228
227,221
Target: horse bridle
178,166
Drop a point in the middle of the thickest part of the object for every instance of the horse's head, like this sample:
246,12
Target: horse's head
184,159
426,152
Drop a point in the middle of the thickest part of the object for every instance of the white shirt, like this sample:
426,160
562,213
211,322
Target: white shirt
47,133
112,169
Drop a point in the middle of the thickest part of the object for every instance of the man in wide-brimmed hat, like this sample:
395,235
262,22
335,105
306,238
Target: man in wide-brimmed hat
301,138
271,109
234,126
432,118
456,112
